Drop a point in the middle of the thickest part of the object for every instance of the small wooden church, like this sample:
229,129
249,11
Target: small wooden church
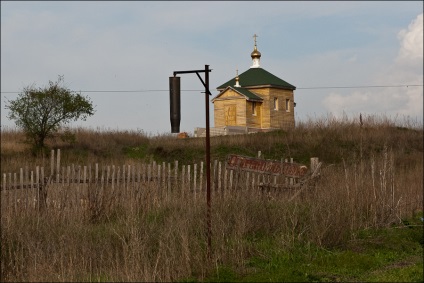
254,101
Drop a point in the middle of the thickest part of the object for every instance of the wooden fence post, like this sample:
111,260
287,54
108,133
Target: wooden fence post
253,183
4,181
188,179
220,177
291,179
42,176
231,180
314,163
85,175
122,179
130,185
163,176
154,170
215,175
15,187
113,177
201,177
133,174
247,180
107,175
52,162
169,178
21,178
139,174
176,173
26,176
58,166
183,180
32,180
73,174
129,177
159,180
68,175
89,173
194,179
225,181
28,191
96,174
63,176
144,168
6,191
149,174
118,176
10,183
79,175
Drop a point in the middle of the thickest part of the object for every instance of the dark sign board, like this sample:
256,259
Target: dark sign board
274,167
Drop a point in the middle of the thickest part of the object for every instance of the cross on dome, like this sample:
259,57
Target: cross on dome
256,55
237,80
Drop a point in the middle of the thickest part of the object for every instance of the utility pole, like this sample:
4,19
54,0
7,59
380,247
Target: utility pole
175,115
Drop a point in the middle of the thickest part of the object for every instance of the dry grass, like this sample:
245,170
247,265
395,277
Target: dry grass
372,177
12,141
141,233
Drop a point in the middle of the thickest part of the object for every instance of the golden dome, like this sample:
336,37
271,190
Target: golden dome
255,53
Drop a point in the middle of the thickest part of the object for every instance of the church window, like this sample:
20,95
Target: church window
254,108
288,105
275,103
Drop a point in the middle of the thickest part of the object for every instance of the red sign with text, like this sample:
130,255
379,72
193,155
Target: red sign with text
266,166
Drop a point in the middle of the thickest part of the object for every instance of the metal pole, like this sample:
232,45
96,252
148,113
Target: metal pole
208,149
208,162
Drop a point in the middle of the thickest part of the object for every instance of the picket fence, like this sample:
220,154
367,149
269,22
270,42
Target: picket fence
31,186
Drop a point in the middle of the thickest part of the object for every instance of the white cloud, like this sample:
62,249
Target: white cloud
406,69
411,43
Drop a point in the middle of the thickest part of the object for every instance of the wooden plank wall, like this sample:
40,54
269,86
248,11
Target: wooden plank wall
266,116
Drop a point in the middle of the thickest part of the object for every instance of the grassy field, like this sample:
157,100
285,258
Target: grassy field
362,222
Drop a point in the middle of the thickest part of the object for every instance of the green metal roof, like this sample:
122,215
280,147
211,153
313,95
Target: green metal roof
258,77
248,94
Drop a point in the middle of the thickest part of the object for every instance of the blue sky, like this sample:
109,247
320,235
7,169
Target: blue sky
106,45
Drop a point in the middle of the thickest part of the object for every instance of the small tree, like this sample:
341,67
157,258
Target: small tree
42,112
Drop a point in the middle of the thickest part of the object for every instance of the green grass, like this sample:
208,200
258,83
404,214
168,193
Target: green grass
393,254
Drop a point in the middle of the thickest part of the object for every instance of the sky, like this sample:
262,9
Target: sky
344,58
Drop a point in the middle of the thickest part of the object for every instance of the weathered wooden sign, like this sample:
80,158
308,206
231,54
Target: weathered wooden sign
273,167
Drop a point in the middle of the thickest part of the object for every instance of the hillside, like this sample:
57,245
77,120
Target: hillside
361,221
329,139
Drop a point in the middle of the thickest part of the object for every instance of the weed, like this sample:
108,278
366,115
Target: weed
361,221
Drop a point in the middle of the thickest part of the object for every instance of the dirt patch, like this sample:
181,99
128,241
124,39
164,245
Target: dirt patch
403,263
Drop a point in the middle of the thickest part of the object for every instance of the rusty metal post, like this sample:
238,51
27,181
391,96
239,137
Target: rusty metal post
208,163
208,150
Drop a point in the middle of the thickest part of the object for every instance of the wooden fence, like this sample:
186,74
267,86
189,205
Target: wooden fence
31,186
